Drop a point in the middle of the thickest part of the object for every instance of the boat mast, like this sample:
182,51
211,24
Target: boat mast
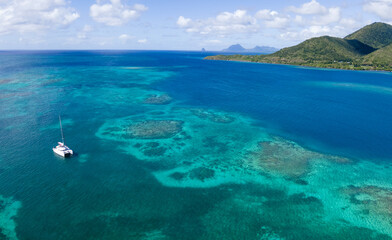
61,128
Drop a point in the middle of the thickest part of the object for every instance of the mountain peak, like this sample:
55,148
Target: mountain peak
234,48
369,48
257,49
376,35
378,24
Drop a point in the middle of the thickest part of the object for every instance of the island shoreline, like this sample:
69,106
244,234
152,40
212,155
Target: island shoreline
294,65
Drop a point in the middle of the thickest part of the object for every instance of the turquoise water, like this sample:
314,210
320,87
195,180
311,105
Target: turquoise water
170,146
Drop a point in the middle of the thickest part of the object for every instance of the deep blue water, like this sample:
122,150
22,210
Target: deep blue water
106,193
284,97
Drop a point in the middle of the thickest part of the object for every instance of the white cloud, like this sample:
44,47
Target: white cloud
332,16
213,41
310,32
297,23
312,7
328,22
272,19
321,15
224,23
31,16
125,37
114,13
87,28
183,22
83,34
266,14
313,20
32,40
278,22
299,20
349,23
142,41
315,31
140,7
382,8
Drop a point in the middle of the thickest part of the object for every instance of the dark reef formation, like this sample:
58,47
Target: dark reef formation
287,158
158,99
371,199
154,129
212,115
200,173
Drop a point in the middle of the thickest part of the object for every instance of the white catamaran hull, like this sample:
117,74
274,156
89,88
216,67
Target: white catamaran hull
62,150
61,153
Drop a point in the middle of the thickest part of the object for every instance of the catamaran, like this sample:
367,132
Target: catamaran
61,149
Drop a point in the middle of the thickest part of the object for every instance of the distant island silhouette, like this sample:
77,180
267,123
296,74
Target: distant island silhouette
369,48
258,49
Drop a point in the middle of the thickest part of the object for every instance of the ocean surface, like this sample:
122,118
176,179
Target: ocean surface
171,146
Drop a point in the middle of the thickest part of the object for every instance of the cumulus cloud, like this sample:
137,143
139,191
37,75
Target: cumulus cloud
315,31
140,7
114,13
293,24
299,20
278,22
31,16
313,20
125,37
382,8
312,7
224,23
349,23
332,16
266,14
142,41
320,14
309,32
83,33
272,19
183,22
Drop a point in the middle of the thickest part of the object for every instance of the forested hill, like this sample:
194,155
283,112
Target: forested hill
376,35
366,49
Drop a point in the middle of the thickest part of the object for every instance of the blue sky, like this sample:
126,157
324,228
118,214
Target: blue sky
179,25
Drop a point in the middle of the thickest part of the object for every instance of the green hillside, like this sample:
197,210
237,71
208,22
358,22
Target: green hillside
376,35
382,58
321,50
332,52
318,52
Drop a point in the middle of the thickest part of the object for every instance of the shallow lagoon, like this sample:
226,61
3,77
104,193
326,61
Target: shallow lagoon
173,147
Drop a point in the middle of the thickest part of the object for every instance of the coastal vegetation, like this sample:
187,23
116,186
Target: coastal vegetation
369,48
376,35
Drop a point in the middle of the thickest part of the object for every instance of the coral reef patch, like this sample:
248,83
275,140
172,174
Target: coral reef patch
154,129
371,200
213,116
286,158
192,148
157,99
8,210
200,173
